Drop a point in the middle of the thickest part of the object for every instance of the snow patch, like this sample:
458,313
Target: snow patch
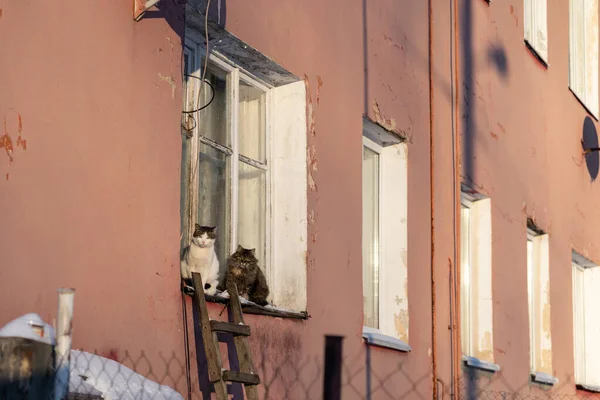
91,373
29,326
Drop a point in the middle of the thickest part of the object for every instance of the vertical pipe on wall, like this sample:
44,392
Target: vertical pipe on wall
431,193
63,342
455,359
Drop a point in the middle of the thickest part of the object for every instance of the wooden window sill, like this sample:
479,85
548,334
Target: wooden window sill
249,307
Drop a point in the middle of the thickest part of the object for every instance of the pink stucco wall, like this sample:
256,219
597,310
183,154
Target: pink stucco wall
92,200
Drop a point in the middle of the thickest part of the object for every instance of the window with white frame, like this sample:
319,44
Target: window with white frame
242,169
536,26
476,277
586,325
583,52
538,297
384,196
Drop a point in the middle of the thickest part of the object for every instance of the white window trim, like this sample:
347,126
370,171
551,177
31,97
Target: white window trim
535,18
539,340
588,377
480,213
590,104
378,336
286,207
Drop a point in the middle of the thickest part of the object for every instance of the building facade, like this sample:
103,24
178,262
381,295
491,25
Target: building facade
411,174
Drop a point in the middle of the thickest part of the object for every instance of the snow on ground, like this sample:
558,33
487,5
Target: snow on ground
91,373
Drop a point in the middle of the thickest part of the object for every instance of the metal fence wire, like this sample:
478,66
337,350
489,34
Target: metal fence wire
33,375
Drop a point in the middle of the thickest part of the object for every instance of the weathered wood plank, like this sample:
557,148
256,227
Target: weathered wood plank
211,342
241,344
246,379
228,327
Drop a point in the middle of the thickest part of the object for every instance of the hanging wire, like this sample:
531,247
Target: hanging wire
212,97
194,167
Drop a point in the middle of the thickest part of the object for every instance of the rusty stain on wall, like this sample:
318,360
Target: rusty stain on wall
514,15
319,85
6,141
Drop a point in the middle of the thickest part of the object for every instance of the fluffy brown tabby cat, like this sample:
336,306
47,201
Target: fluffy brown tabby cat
243,270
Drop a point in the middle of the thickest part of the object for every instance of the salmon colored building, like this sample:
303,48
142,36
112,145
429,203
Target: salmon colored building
412,174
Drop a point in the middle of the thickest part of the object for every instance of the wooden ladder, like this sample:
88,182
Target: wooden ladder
217,375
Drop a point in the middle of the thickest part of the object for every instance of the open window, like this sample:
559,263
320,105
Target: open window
244,165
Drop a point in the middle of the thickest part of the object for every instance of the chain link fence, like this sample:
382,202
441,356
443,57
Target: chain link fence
31,373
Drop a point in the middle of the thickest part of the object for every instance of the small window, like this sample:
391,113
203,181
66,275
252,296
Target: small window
583,52
538,295
476,308
536,27
384,197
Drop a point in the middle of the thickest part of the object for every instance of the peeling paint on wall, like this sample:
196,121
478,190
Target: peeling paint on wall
170,81
401,324
387,123
485,351
310,119
312,167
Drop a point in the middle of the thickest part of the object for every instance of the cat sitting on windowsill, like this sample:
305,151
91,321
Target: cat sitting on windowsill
200,256
242,269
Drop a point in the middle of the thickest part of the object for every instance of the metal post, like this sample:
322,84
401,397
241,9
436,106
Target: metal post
63,342
332,379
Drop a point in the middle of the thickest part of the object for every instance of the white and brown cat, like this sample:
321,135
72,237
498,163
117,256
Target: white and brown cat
200,256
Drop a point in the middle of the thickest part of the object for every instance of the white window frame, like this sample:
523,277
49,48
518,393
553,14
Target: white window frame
531,283
477,343
586,349
237,75
535,27
539,307
286,202
369,144
578,347
393,165
583,53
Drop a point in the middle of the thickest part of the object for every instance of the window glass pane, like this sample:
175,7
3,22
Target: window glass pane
252,128
213,121
214,196
370,198
465,279
252,210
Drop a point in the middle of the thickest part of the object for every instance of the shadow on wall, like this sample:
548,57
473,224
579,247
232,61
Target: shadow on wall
589,140
497,60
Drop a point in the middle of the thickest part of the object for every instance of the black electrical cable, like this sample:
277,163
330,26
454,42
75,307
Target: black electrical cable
212,97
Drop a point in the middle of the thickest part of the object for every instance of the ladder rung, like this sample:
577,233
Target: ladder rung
234,329
241,377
